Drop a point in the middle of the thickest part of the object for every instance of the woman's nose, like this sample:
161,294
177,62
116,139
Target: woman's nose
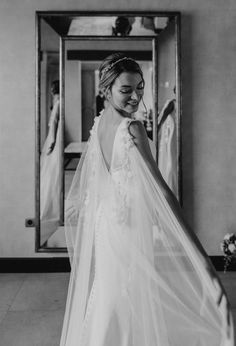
134,95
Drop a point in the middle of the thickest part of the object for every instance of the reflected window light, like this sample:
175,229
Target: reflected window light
97,26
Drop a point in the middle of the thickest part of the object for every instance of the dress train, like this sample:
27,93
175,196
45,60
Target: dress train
136,279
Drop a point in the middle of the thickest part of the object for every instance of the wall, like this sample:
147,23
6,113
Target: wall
209,122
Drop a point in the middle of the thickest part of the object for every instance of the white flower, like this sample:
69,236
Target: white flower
128,141
228,236
232,248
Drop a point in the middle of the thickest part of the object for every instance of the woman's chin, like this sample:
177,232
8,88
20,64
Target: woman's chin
128,110
131,108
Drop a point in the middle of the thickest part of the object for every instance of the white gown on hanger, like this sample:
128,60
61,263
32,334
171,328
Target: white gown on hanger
136,277
50,181
167,153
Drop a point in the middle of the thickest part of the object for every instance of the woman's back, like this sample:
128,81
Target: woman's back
106,134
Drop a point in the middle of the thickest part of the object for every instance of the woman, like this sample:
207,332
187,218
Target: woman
139,276
49,172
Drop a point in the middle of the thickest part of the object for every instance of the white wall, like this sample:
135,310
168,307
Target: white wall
209,121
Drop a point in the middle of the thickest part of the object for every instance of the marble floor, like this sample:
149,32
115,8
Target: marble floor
32,307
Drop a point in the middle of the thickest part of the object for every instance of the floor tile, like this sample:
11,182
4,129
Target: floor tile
42,292
31,328
2,314
32,307
10,284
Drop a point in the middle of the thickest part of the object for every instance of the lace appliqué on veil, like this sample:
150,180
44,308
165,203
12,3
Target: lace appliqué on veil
92,154
122,176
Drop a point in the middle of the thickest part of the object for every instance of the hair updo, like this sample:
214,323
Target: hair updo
113,66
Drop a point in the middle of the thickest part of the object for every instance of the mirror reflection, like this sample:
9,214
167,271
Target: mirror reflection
70,99
49,170
50,134
117,26
168,109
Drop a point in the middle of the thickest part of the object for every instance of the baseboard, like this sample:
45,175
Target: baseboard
219,264
61,264
34,265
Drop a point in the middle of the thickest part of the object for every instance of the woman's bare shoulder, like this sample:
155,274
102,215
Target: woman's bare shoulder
140,138
137,129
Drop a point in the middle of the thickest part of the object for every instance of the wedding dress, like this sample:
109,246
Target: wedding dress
136,279
50,181
167,153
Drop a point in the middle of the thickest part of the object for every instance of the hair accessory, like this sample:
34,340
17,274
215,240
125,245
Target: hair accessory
109,67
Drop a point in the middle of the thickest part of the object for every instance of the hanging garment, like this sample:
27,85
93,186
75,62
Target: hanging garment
167,153
50,181
137,279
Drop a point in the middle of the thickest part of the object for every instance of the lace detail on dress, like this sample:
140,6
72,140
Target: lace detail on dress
122,175
95,124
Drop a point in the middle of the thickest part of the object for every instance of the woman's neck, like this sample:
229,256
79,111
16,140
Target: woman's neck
114,114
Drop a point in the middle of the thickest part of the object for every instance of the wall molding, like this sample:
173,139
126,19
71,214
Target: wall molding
62,264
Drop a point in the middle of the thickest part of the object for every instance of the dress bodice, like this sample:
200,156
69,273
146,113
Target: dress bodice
118,176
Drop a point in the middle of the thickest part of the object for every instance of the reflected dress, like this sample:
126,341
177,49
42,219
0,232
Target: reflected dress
167,152
136,277
49,180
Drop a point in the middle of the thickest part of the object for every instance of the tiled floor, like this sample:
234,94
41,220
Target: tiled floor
32,307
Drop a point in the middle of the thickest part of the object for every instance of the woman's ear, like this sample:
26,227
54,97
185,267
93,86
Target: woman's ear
108,93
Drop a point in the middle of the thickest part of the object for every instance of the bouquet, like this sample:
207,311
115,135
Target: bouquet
228,246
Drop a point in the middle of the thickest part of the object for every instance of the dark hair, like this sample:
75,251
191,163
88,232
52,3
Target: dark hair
55,87
113,66
122,26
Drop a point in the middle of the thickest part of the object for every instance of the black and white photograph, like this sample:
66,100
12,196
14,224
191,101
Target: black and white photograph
118,183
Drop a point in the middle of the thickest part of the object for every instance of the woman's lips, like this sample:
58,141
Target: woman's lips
133,103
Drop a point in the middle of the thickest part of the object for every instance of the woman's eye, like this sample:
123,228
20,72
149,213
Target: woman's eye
125,91
129,91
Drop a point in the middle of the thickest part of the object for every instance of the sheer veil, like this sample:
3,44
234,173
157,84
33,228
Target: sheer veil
124,241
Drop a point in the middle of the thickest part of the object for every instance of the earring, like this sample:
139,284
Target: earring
144,106
148,116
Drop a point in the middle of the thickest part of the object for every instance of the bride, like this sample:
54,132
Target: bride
139,275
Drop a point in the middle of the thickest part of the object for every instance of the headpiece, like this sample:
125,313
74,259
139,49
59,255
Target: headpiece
109,67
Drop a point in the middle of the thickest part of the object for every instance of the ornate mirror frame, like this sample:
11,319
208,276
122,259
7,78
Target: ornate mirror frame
59,22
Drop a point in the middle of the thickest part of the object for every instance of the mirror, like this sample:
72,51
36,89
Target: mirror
70,48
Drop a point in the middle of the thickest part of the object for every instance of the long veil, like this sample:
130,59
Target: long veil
165,294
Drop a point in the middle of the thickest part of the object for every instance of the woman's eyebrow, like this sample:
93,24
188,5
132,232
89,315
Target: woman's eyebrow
125,86
129,86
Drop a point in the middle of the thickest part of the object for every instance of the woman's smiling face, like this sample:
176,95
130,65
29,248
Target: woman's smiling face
126,92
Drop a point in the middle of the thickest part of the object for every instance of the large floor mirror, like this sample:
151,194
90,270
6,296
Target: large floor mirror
70,47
